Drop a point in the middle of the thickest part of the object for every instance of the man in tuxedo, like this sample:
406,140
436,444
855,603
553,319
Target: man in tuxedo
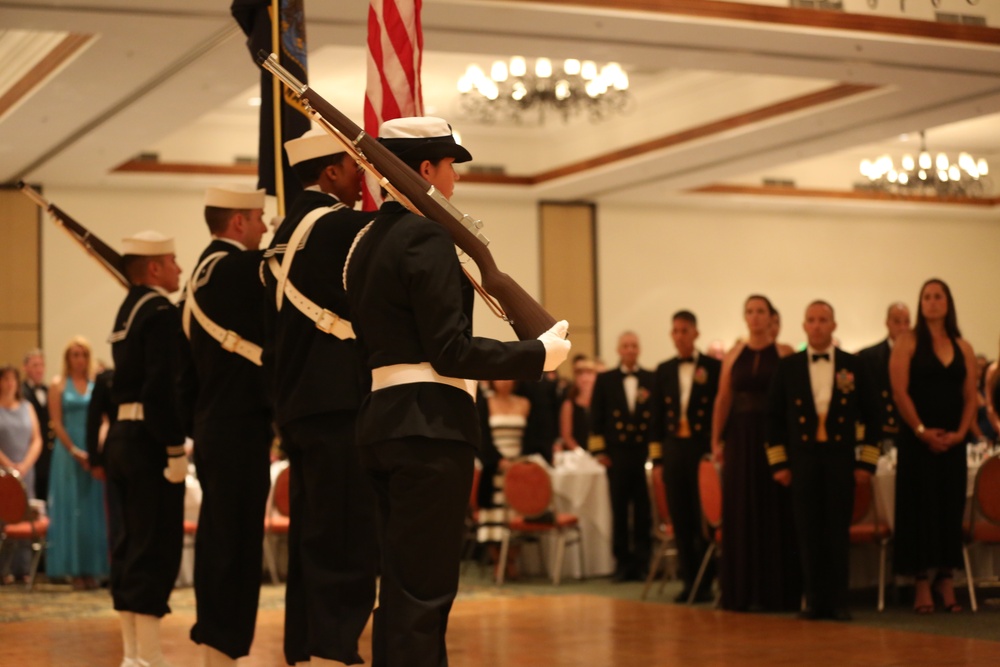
875,360
314,374
222,310
621,415
818,400
684,399
36,392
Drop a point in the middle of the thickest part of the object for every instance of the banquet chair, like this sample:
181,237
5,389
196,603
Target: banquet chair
472,518
20,522
710,490
531,512
983,524
276,520
665,547
868,528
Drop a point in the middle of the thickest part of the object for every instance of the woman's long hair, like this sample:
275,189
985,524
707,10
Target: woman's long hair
921,330
770,306
78,341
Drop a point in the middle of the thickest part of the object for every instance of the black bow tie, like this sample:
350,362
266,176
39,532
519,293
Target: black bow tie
628,374
685,360
821,355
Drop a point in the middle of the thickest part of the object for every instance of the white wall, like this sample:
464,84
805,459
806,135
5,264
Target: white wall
698,253
654,261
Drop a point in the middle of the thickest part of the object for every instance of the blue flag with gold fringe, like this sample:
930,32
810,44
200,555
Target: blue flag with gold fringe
289,42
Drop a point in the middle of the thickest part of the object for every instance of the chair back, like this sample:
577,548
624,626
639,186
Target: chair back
477,473
280,500
13,497
987,489
660,498
527,488
862,501
710,489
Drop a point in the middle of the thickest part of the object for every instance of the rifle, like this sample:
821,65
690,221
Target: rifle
504,296
106,256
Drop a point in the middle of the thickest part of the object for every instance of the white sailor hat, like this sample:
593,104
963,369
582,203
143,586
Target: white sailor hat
421,137
315,143
234,198
148,244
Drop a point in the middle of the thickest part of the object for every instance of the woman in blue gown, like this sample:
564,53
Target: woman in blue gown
77,540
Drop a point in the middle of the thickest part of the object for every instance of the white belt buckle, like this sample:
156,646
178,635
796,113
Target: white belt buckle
327,321
230,341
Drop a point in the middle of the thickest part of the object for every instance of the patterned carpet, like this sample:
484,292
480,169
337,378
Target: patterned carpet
59,602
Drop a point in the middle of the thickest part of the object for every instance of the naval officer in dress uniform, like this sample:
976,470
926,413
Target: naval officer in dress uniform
684,401
221,312
621,414
818,401
146,462
315,376
875,360
418,430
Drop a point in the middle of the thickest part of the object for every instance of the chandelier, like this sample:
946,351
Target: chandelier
927,175
511,89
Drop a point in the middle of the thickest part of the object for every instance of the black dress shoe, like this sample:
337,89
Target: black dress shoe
809,615
683,596
619,576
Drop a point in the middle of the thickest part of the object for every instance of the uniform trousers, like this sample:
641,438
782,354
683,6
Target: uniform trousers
233,464
147,554
631,540
822,504
681,457
423,487
332,547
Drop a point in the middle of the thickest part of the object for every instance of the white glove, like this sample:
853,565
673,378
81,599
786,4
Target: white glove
556,346
176,470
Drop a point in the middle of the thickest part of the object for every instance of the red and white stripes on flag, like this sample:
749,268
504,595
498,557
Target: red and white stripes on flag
395,51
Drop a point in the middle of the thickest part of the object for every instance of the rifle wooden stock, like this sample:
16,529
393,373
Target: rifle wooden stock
106,256
528,318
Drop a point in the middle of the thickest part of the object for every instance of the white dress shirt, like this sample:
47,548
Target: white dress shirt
821,379
631,383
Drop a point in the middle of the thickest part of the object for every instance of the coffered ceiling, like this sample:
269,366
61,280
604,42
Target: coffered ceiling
727,93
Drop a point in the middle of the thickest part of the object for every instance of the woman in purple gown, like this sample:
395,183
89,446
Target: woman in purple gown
760,567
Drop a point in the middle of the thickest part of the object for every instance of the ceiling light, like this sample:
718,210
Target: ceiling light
569,88
967,177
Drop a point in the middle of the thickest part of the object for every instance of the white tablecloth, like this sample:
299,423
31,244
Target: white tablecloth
192,505
580,485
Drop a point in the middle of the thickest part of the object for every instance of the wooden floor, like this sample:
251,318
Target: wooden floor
570,630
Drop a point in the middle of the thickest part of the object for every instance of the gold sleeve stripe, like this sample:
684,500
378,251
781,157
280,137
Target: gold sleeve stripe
175,450
869,454
776,454
596,443
655,450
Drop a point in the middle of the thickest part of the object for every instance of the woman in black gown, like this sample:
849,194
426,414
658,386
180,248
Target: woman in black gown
933,375
574,414
760,567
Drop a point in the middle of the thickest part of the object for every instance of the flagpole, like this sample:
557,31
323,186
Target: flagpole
276,94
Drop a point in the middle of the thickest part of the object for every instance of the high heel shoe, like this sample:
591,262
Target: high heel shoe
953,607
926,607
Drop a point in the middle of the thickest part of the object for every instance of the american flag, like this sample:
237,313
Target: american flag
395,51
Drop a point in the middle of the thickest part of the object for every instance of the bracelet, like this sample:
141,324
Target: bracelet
920,429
